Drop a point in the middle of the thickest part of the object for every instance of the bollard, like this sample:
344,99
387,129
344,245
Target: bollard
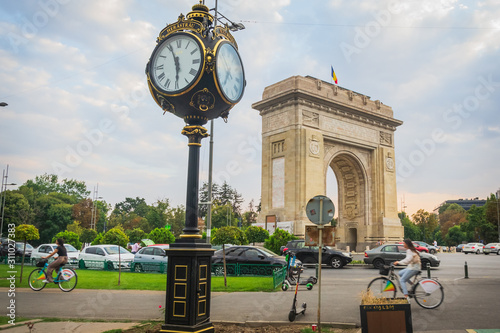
428,270
466,268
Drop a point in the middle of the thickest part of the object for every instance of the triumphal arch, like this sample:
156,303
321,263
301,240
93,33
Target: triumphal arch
308,126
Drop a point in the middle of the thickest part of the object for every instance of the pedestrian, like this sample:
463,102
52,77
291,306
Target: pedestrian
435,243
412,259
61,259
136,247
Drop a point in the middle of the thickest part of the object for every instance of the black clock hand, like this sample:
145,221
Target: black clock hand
176,61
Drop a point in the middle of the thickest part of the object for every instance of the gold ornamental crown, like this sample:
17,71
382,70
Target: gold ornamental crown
199,12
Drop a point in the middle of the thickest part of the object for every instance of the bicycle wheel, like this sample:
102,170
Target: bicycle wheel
382,287
36,278
67,282
428,293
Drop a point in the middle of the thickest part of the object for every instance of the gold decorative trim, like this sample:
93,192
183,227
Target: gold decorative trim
203,100
219,90
200,331
173,309
185,290
205,268
180,25
223,31
204,302
186,272
190,236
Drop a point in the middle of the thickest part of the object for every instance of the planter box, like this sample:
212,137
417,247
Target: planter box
386,318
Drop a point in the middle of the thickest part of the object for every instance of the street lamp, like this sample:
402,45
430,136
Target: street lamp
498,213
3,104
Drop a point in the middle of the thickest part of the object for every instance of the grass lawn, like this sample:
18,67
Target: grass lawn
94,279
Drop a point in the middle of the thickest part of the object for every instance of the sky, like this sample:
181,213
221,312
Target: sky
72,73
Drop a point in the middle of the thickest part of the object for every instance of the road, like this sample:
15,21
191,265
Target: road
469,303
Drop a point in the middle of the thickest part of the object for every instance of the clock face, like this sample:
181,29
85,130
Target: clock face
176,64
229,72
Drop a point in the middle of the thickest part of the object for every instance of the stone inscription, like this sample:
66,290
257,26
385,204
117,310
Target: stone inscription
278,196
279,121
346,129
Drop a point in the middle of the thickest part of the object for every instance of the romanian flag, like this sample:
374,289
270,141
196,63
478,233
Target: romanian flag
334,77
389,286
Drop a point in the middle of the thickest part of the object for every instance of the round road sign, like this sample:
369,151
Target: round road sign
320,210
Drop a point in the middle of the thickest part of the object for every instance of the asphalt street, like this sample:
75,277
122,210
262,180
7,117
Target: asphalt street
469,303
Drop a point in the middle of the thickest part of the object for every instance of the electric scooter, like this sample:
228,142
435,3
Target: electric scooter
292,273
293,311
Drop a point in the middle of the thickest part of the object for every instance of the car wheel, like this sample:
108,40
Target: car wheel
378,263
486,253
498,253
110,266
219,271
466,252
432,251
137,268
336,262
477,252
424,263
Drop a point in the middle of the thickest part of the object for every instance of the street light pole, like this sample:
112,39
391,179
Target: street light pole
3,104
3,195
498,213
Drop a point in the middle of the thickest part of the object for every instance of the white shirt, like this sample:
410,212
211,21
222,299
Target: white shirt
412,260
136,247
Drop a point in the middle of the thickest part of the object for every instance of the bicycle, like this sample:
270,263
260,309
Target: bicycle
428,293
66,278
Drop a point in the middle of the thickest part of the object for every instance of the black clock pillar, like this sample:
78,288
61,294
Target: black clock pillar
187,306
195,73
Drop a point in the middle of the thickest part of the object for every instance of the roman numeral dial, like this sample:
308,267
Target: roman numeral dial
176,64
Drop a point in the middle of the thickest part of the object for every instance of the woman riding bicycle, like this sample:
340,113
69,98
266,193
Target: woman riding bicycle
413,261
61,259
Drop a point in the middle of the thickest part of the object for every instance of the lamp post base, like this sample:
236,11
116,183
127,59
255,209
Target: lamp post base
188,292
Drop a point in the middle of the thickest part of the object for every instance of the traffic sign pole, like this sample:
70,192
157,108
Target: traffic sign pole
320,260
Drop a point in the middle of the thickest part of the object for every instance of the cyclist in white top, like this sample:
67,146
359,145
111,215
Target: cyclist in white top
412,260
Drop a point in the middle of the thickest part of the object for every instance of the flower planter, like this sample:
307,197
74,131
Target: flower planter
386,318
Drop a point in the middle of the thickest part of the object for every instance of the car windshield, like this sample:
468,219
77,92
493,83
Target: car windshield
267,252
21,246
70,248
114,250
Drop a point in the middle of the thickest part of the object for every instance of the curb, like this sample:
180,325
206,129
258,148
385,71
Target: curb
2,327
283,323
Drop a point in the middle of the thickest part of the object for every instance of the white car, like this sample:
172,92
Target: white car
473,248
492,248
46,249
105,256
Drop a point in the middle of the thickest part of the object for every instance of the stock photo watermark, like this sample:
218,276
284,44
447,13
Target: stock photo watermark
454,117
11,273
31,26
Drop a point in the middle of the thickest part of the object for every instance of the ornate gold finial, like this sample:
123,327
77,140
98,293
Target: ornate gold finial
199,13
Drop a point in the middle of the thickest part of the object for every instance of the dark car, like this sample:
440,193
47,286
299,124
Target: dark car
18,252
251,260
388,253
459,247
309,254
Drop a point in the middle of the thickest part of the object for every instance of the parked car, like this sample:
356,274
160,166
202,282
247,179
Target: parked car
18,249
419,247
46,249
389,253
107,253
310,254
492,248
250,256
473,248
459,247
150,258
431,248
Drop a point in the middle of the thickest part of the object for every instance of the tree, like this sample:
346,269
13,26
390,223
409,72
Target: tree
176,218
25,232
17,209
130,205
88,236
46,184
256,234
69,237
82,212
157,214
278,239
223,216
426,222
58,218
135,235
411,231
161,236
76,228
115,236
452,215
98,239
227,235
250,216
455,236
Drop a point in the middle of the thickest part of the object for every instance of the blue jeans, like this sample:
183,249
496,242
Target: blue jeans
405,275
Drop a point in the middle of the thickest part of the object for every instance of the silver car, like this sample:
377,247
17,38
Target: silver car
388,253
150,258
492,248
473,248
